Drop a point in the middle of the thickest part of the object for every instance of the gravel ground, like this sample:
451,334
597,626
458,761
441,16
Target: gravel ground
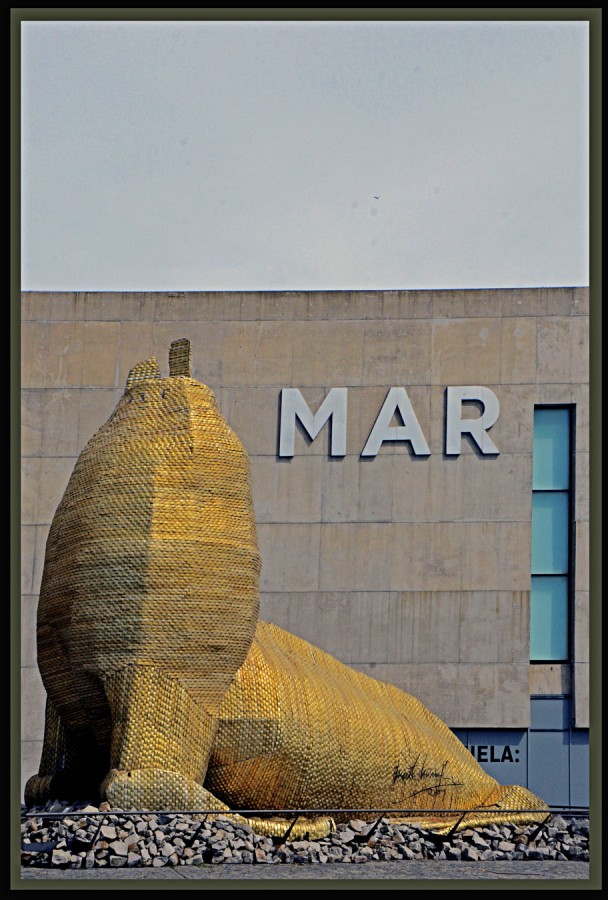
81,839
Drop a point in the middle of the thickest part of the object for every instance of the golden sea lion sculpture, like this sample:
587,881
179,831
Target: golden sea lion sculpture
163,689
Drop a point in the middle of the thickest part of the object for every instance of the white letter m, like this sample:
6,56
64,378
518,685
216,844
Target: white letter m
293,405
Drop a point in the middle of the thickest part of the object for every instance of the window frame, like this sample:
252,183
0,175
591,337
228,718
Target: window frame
571,532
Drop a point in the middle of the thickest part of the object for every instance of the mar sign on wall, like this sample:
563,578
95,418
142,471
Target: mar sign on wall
397,406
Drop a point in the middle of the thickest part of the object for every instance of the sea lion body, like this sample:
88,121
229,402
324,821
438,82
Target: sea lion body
164,691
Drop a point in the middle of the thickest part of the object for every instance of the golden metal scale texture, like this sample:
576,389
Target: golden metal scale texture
164,691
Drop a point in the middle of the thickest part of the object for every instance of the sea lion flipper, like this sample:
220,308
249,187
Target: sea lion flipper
161,740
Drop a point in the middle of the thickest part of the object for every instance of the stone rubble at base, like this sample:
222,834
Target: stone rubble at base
82,840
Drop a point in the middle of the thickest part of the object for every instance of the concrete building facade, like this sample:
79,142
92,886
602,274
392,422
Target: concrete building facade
420,465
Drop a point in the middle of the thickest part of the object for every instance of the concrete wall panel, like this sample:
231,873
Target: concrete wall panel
581,487
407,304
288,491
427,556
28,545
462,693
581,626
581,574
357,491
496,556
517,351
136,342
289,553
466,351
397,353
54,475
550,679
582,718
29,611
319,349
60,422
95,406
33,699
34,354
554,350
65,354
254,414
100,360
42,533
495,627
355,557
408,626
580,302
30,487
32,422
579,331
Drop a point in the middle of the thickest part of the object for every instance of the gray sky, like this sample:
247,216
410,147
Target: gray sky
296,155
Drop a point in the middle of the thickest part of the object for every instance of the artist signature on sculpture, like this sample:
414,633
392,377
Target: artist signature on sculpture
418,770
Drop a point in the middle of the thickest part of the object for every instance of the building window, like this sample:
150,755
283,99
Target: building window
551,517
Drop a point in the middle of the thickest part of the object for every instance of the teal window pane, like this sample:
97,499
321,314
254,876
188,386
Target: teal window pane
549,618
551,450
549,533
